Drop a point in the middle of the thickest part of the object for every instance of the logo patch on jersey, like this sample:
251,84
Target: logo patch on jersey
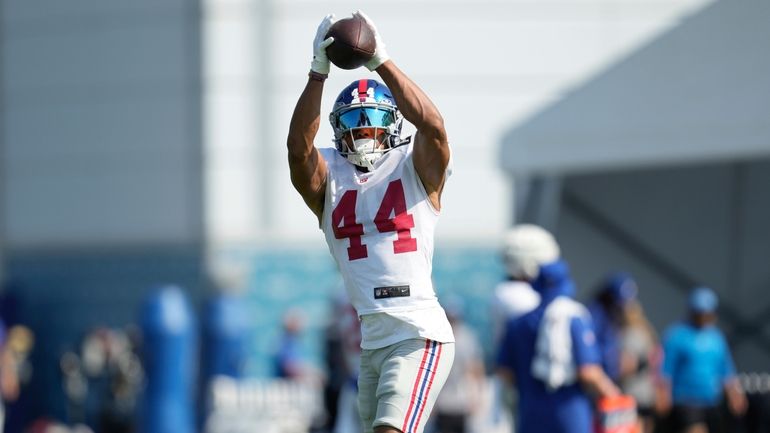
391,292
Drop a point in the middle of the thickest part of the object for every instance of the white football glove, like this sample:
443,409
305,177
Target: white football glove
380,55
320,61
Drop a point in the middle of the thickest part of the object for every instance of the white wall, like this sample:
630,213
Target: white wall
485,64
101,141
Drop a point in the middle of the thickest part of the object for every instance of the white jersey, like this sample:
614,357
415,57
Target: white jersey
379,228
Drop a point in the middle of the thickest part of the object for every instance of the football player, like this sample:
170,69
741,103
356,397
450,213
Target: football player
377,197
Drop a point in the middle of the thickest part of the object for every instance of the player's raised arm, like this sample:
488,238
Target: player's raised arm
307,167
431,148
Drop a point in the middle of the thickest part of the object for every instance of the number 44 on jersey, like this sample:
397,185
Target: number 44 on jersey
393,203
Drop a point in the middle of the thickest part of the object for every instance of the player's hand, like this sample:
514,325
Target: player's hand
320,61
380,55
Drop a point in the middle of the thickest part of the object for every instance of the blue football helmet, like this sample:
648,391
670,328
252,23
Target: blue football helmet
366,104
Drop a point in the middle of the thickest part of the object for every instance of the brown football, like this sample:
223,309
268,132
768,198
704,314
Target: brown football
353,44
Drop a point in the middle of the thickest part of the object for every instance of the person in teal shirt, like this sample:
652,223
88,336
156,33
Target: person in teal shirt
698,369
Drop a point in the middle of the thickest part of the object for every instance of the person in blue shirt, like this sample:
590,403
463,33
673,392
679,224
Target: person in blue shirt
550,353
288,359
698,369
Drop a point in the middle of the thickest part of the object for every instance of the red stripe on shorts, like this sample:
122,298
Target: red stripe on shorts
416,386
430,383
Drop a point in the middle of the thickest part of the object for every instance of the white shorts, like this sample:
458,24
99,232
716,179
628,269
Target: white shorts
398,384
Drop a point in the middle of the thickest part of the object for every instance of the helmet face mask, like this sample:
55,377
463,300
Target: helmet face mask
364,152
366,104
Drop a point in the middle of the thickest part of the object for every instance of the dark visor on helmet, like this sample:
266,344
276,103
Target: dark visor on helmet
365,117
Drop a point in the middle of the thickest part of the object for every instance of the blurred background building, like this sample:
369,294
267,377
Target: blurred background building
143,143
660,164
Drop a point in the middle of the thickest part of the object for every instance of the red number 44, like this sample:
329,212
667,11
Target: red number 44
393,203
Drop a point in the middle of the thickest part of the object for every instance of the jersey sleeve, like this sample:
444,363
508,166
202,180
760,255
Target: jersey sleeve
728,367
584,347
670,353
